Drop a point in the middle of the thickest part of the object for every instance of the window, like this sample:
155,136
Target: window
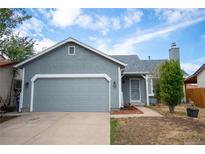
150,87
71,50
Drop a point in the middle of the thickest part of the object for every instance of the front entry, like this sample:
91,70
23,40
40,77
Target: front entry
135,90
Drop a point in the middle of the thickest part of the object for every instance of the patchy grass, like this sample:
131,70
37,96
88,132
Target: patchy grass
158,130
113,130
180,111
6,118
174,128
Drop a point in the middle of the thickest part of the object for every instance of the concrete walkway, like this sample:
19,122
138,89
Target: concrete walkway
147,112
57,128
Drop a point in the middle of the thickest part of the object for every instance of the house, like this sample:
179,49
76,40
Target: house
197,80
195,87
72,76
6,77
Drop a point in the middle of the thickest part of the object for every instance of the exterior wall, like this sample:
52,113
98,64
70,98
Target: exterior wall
5,81
174,54
201,79
126,89
59,62
152,100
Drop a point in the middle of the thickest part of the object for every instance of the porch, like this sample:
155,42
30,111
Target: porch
137,89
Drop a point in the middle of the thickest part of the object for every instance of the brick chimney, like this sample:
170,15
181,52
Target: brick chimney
174,52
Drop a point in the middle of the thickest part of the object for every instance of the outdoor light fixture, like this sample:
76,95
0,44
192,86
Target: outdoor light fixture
26,85
114,84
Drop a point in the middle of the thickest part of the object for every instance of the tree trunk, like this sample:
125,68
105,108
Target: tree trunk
171,108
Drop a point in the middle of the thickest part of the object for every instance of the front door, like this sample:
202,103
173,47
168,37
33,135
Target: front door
134,90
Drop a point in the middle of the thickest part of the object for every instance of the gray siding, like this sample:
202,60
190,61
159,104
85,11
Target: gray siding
59,62
152,100
126,89
71,95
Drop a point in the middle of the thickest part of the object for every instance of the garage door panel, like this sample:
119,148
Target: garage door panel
71,95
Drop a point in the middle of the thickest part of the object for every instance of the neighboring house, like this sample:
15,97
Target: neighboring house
6,75
195,85
197,80
72,76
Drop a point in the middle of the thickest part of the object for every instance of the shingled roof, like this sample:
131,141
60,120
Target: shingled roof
137,65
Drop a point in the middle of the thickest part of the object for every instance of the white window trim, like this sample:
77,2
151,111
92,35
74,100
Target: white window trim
22,90
135,101
69,50
60,76
151,84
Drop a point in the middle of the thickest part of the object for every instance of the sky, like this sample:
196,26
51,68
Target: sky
145,32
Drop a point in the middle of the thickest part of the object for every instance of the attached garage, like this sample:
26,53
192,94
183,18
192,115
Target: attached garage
70,77
70,93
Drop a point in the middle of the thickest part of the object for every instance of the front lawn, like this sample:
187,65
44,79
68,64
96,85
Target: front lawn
180,111
170,129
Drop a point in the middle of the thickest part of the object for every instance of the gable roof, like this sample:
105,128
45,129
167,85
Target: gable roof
199,70
135,65
77,42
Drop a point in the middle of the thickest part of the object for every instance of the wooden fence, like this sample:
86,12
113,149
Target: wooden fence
197,95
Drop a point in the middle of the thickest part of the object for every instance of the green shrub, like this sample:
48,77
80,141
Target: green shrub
171,84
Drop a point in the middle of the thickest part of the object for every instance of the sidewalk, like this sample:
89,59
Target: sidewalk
147,112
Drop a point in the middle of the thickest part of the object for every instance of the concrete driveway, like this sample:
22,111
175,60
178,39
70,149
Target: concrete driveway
57,128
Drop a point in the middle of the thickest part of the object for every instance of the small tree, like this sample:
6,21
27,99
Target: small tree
156,81
171,84
14,46
156,89
17,47
10,18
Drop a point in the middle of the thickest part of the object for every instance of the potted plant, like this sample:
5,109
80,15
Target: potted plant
192,111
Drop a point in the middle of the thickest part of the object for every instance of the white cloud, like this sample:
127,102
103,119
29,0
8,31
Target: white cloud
84,21
128,43
101,23
176,15
43,44
190,68
101,44
116,23
32,27
69,17
106,45
203,36
46,12
132,17
64,17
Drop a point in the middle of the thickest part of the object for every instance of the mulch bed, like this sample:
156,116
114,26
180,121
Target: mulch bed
6,118
127,110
